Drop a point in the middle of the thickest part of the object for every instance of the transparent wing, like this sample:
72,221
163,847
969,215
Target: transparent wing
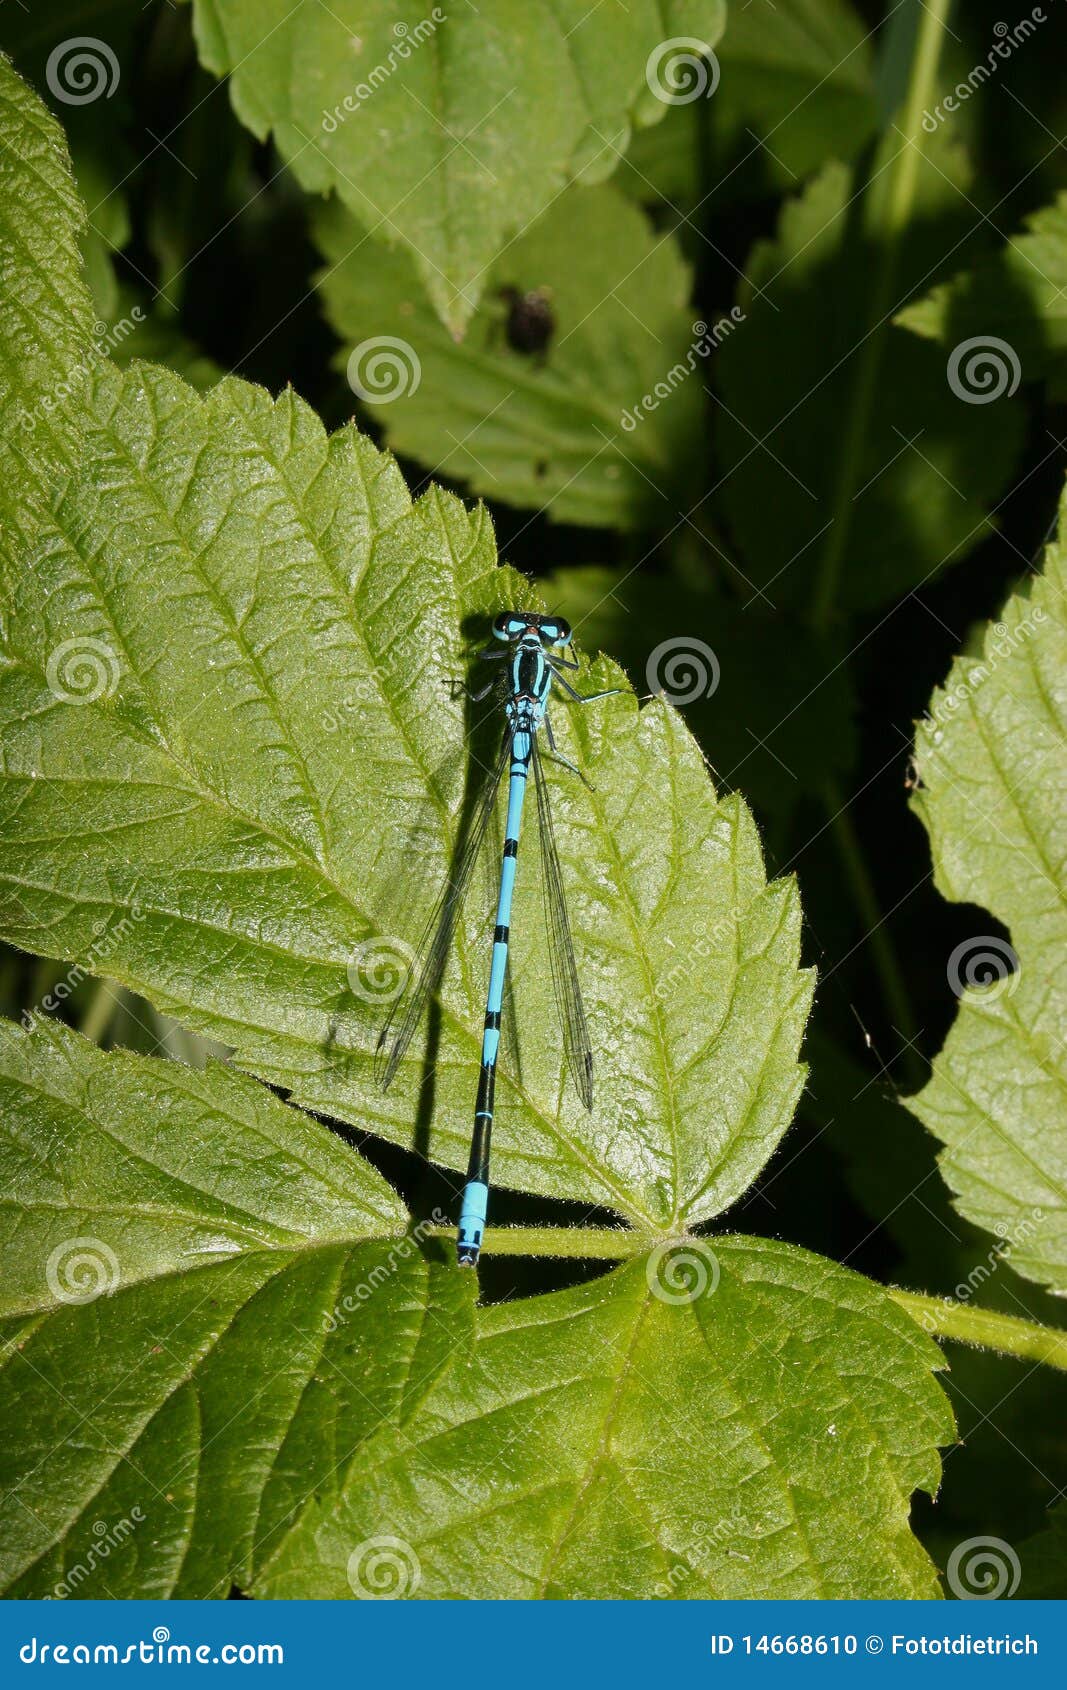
435,946
561,947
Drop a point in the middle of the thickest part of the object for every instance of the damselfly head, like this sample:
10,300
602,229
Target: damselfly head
515,625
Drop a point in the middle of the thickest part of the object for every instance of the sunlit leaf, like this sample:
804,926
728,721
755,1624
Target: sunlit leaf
235,773
992,759
45,310
282,1393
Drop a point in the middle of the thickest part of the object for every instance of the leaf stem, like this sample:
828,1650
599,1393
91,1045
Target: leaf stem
883,950
942,1319
984,1329
902,176
960,1323
588,1243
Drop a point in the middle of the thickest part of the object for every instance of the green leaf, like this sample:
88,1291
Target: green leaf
663,164
284,1394
45,310
789,1371
176,1244
459,130
799,74
87,77
795,88
552,431
992,762
59,59
1018,295
928,464
251,790
232,763
173,1169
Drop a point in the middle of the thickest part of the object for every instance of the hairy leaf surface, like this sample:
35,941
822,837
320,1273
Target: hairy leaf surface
247,811
221,1347
992,758
45,310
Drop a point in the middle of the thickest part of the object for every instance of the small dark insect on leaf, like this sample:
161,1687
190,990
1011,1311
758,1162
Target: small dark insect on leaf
530,320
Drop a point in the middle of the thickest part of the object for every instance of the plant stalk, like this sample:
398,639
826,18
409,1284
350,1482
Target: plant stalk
983,1329
903,174
958,1323
577,1243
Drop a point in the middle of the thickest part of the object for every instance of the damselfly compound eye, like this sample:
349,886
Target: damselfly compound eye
507,625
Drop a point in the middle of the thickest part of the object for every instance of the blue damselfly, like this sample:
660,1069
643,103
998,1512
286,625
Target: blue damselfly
533,648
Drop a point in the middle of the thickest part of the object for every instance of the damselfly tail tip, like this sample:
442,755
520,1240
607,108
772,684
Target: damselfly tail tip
471,1222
